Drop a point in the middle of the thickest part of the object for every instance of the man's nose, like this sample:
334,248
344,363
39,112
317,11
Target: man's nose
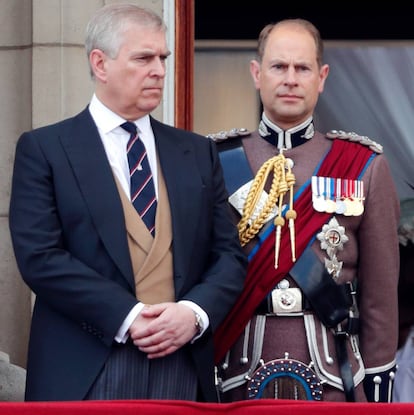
158,67
291,75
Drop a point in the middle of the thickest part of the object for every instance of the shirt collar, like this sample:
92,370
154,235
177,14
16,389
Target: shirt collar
107,120
286,139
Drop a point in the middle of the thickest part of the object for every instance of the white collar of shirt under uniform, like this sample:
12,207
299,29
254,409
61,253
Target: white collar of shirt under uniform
115,139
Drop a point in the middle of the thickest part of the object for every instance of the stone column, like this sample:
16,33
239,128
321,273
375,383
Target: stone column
15,117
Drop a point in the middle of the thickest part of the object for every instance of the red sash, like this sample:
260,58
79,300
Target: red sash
344,160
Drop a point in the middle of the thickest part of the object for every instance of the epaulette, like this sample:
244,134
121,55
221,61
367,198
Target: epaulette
225,135
354,137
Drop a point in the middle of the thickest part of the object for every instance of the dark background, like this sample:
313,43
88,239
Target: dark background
336,20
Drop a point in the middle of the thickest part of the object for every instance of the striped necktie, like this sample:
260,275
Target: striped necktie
142,184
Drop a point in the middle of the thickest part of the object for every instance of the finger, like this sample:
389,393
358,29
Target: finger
154,310
154,347
164,353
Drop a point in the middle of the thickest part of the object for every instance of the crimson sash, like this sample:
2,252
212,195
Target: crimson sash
344,160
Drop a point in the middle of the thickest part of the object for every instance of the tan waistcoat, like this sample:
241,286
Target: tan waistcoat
151,256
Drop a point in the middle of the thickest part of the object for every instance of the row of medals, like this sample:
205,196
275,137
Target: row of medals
336,195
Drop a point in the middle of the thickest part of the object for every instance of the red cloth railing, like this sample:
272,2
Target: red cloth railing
170,407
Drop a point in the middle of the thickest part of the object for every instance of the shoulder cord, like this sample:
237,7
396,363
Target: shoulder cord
283,181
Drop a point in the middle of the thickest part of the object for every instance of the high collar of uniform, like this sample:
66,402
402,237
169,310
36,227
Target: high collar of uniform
286,139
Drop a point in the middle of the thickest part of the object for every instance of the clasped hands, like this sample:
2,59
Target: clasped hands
161,329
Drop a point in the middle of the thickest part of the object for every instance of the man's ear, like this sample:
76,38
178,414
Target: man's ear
97,60
323,74
255,72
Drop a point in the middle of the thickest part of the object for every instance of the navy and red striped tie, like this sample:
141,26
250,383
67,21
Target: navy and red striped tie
142,184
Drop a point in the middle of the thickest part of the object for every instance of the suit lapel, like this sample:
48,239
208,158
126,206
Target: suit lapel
180,173
90,165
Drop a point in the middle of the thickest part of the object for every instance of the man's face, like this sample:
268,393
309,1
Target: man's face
288,78
132,83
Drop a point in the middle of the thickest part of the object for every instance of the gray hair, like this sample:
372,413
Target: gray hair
105,29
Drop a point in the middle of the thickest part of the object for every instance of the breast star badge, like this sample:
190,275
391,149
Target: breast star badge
332,238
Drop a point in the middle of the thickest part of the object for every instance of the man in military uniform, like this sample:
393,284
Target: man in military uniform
318,216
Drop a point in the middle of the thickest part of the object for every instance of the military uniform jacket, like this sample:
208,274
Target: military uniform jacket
370,261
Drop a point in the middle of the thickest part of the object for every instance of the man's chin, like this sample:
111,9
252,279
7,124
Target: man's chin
149,105
152,99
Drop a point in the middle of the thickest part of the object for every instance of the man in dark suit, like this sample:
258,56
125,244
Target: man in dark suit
121,313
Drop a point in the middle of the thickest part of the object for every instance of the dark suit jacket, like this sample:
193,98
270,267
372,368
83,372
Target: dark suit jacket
68,233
